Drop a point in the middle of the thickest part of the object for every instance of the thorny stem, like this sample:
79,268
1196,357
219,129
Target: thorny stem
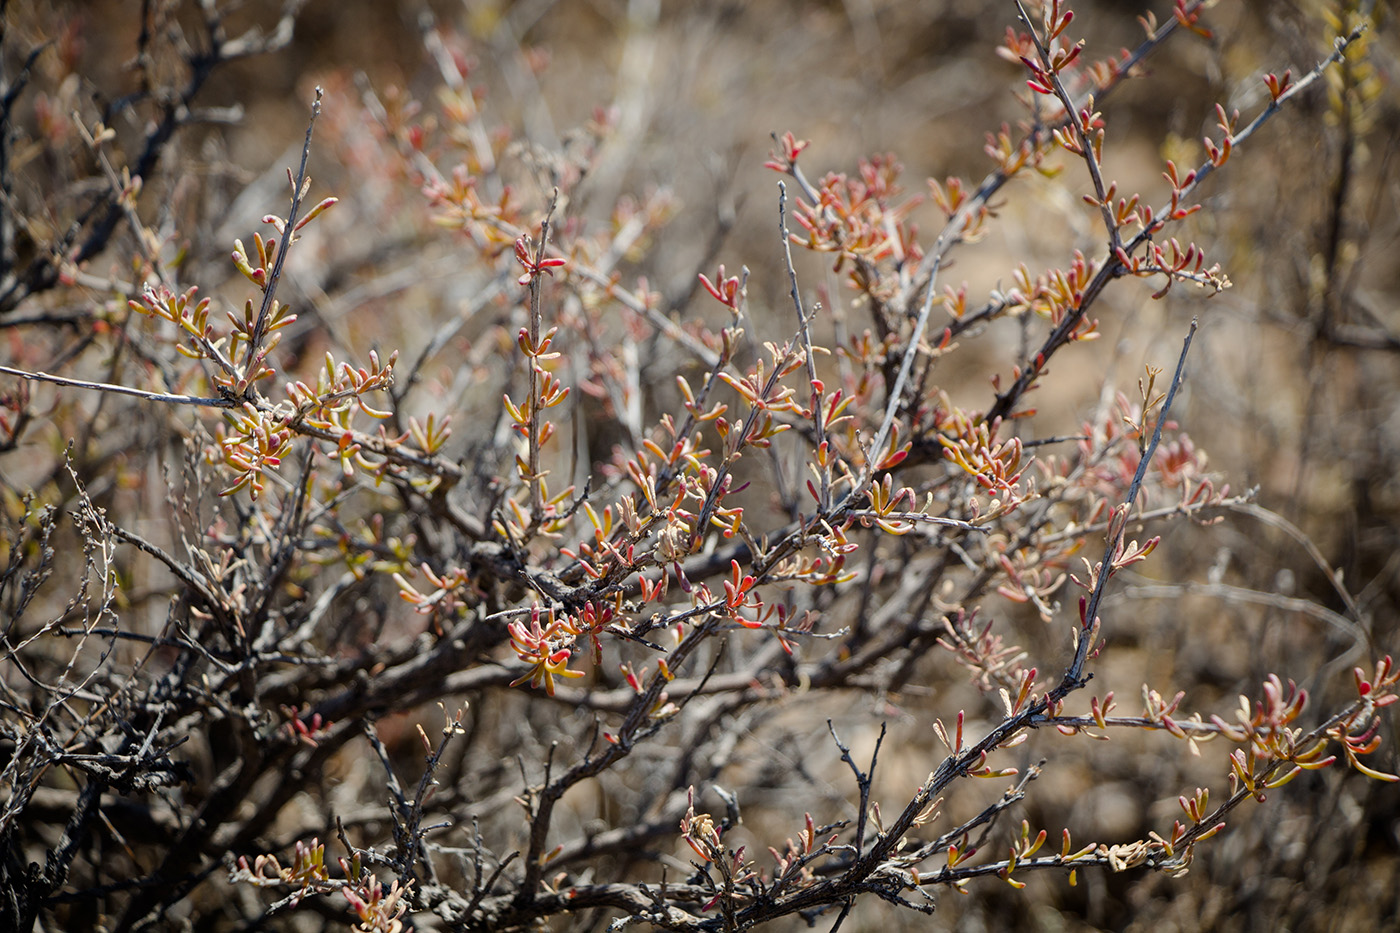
958,763
897,390
1261,778
718,488
1112,267
993,182
863,778
1081,131
1115,539
804,324
299,185
1339,49
536,285
639,715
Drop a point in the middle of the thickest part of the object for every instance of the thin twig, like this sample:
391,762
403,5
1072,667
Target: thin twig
288,236
167,397
1075,670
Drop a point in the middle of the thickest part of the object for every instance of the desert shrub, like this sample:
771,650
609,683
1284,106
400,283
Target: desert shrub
437,553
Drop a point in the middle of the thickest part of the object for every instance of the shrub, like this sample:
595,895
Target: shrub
582,597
